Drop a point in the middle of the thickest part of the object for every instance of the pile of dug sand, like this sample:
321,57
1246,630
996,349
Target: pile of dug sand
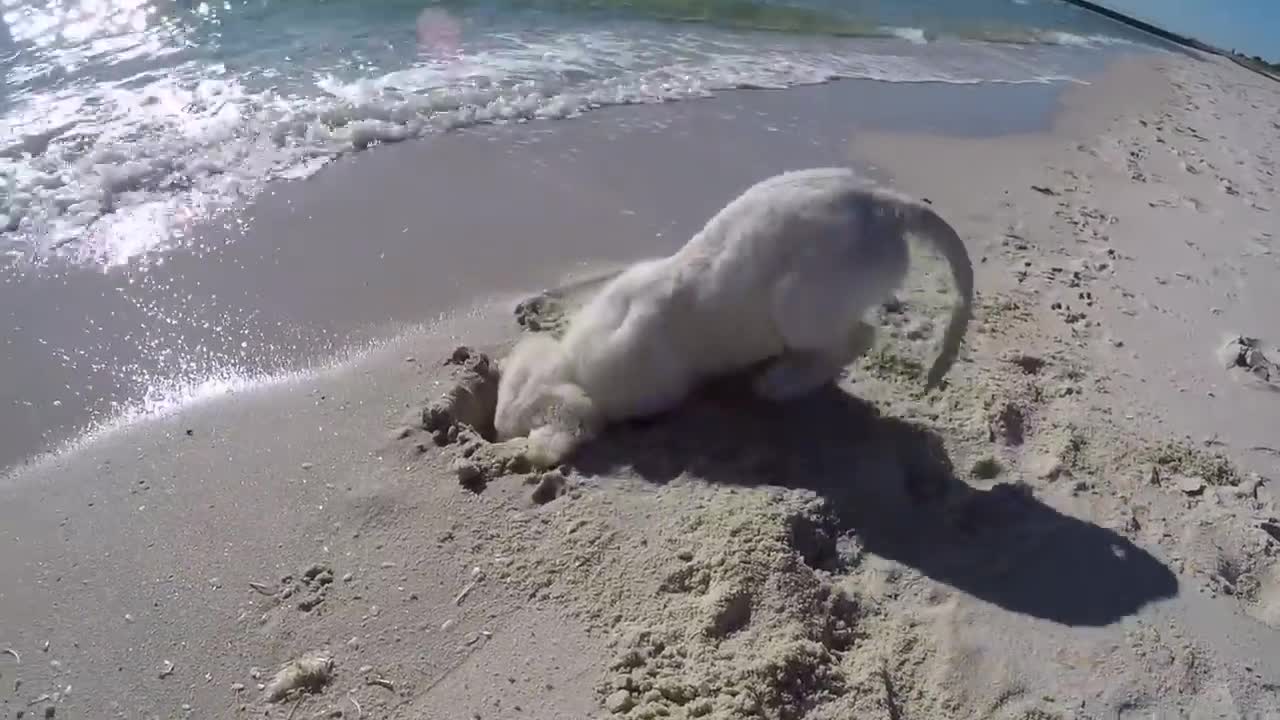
1041,538
829,558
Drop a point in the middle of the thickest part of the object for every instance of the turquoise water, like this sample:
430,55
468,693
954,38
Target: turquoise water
124,121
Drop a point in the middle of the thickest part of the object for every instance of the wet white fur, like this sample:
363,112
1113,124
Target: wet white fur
788,271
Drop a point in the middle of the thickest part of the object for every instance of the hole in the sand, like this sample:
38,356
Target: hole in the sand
470,402
463,417
987,468
732,613
1229,570
841,627
550,486
1029,364
816,541
1272,529
1009,424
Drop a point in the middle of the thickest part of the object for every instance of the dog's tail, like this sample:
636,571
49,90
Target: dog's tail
926,224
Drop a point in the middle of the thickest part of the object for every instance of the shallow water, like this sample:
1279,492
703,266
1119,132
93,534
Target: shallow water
123,122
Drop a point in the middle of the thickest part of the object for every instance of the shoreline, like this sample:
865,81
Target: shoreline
238,300
1146,27
1244,61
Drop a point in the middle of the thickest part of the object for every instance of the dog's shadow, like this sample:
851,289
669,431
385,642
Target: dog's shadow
893,489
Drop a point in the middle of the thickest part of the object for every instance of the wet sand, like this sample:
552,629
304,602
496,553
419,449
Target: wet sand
392,237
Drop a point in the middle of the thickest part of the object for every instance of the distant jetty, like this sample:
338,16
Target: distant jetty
1256,64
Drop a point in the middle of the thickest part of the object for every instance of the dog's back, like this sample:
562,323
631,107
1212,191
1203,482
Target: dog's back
825,228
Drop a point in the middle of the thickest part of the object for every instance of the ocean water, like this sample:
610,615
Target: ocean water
122,122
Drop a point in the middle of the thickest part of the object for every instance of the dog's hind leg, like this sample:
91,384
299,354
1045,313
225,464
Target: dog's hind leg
795,373
799,372
823,328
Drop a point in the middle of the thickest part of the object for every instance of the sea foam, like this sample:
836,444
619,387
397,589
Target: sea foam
105,174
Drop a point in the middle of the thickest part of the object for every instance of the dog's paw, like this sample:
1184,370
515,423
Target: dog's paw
794,375
548,446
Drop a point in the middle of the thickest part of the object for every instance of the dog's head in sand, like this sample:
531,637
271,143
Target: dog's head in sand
538,399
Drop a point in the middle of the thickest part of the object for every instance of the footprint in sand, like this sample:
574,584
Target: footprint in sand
1068,315
1233,555
1186,201
1134,165
1260,244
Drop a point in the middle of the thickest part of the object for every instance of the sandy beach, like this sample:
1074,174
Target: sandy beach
1081,524
401,233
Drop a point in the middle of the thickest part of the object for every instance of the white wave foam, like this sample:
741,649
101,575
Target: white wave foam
1057,37
110,174
159,403
910,34
166,397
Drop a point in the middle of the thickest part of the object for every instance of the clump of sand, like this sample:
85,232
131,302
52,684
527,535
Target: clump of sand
470,401
307,674
542,313
549,311
742,625
463,417
1173,459
1252,357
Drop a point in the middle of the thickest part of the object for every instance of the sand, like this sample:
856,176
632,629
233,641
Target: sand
1081,524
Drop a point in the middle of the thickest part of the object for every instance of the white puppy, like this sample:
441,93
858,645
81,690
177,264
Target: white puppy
787,271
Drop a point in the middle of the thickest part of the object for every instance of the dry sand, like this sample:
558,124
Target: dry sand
1078,526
